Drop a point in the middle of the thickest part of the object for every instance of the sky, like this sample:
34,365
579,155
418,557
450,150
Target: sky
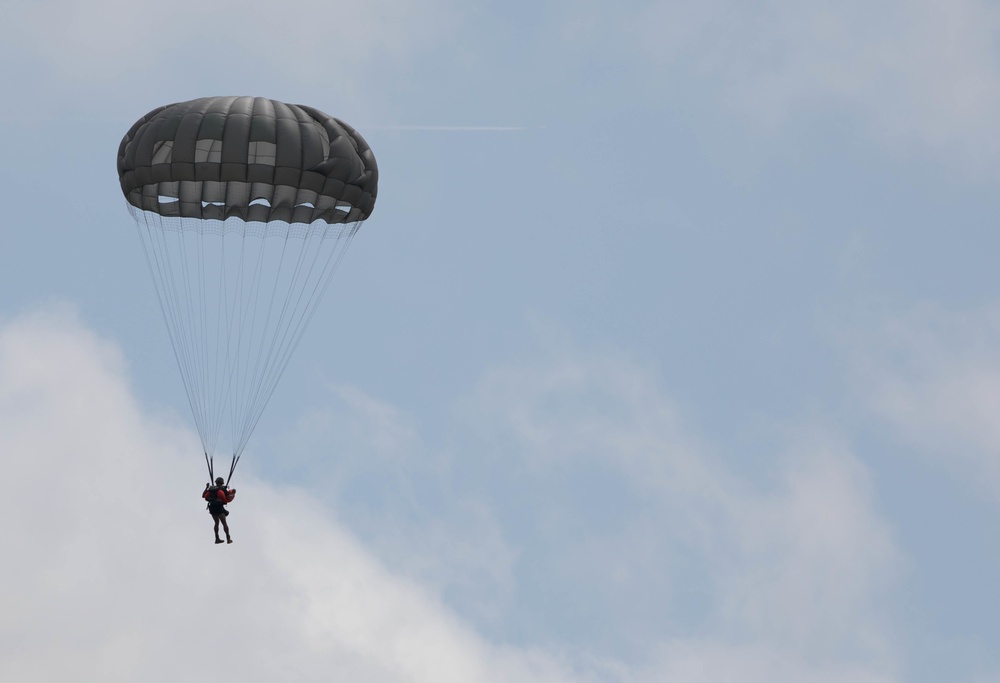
670,353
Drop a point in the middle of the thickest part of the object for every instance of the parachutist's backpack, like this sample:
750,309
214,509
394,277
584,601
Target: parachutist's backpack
220,494
217,498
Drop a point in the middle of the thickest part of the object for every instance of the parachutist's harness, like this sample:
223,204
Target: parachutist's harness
217,497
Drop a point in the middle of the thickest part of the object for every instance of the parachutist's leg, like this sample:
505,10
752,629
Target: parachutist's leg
225,525
216,518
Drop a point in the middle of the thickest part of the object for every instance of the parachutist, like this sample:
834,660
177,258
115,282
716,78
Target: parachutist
218,496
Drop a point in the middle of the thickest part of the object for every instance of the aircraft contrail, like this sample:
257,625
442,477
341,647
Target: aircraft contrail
452,128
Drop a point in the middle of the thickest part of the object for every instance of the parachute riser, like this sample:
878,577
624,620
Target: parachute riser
232,468
210,462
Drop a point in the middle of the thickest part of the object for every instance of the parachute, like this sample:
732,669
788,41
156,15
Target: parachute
244,207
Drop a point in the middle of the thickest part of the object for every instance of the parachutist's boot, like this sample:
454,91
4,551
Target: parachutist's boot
228,540
218,540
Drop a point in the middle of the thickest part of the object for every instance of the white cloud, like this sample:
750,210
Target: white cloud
110,573
912,72
814,559
369,460
934,376
802,569
115,575
619,534
698,661
100,52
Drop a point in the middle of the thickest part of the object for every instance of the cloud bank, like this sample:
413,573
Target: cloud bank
571,507
107,54
110,573
924,74
618,522
933,377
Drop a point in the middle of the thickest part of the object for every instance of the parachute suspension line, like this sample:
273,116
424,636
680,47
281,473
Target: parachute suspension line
249,298
193,318
256,332
188,319
210,461
253,379
292,321
158,268
340,242
228,318
209,317
224,333
191,278
194,270
311,301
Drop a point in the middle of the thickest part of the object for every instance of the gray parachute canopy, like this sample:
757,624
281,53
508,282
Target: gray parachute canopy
250,158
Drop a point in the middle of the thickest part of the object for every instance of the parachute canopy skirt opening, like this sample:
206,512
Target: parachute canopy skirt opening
245,207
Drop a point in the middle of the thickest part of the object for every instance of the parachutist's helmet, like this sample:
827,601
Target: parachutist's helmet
219,481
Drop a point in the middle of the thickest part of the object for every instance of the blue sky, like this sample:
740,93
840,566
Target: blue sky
689,373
